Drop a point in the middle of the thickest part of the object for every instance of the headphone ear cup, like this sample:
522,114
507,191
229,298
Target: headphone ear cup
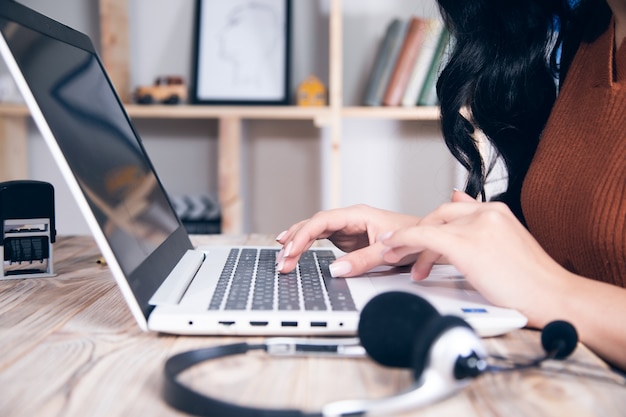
388,324
425,340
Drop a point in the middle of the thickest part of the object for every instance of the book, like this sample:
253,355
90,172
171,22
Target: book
385,62
423,63
404,64
428,95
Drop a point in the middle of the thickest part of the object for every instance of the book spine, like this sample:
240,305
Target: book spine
423,63
406,59
428,95
385,62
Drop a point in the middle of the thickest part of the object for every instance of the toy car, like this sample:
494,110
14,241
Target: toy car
166,90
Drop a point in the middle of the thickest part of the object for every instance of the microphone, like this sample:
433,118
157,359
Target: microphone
559,339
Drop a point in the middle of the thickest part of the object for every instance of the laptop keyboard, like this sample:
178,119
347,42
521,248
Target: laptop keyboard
249,281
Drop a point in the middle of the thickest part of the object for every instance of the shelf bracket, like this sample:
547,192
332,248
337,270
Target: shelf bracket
229,174
13,148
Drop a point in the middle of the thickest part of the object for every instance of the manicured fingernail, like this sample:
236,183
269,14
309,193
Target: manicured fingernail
280,265
279,255
385,235
339,268
281,235
288,249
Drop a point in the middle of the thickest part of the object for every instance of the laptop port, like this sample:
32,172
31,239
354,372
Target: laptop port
259,323
226,323
289,323
319,324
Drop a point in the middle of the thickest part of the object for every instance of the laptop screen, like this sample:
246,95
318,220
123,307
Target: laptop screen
101,147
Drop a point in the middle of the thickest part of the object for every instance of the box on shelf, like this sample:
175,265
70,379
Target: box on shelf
200,213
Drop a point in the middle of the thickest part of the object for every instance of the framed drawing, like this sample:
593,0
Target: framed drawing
242,52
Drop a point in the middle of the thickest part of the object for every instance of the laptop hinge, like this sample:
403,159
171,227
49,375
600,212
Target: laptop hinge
173,288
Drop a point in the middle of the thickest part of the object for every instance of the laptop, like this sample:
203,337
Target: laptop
169,285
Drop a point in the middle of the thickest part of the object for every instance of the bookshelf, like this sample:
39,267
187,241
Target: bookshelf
115,54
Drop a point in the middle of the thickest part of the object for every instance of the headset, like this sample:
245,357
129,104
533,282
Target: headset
396,329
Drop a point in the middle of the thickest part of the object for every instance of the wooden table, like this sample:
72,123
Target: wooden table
69,347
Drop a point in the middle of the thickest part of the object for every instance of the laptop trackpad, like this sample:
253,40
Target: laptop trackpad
444,284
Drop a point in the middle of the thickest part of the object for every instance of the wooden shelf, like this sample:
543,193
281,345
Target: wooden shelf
430,113
319,115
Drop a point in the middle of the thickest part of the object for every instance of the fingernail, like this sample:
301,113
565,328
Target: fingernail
281,235
339,268
288,249
280,265
279,255
384,236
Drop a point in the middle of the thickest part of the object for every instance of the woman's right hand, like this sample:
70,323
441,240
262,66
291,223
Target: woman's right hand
354,230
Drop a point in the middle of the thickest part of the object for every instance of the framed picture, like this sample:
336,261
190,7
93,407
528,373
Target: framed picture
242,52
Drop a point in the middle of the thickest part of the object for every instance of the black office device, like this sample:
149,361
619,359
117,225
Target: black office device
28,229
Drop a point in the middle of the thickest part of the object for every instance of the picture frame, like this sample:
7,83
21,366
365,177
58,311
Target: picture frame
242,52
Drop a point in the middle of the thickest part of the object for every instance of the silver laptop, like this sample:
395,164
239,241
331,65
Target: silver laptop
168,285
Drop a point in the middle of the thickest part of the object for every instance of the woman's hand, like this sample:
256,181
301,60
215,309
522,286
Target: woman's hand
352,229
488,245
502,260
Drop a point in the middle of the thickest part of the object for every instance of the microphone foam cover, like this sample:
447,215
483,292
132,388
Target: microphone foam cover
560,335
389,324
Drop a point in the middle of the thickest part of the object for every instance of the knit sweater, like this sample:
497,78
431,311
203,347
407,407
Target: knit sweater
574,195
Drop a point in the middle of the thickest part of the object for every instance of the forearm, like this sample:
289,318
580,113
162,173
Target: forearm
596,309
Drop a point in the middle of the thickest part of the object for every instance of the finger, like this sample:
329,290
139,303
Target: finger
358,262
393,253
299,238
285,235
420,239
310,228
352,264
424,264
320,226
287,259
459,196
449,212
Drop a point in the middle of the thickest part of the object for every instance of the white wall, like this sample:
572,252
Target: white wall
395,165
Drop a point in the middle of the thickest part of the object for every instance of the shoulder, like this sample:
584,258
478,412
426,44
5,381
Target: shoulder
588,22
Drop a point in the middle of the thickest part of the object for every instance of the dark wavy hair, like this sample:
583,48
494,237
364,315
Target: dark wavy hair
506,60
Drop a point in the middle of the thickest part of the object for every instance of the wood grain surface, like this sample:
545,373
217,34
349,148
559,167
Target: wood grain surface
70,347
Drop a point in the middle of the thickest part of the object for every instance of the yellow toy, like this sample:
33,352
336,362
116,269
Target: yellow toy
311,92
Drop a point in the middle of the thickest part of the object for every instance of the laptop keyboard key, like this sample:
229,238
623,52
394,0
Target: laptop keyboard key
223,281
302,288
337,289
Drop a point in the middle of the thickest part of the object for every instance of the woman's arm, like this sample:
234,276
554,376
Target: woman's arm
506,265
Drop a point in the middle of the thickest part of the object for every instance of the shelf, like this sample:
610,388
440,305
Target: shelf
319,115
430,113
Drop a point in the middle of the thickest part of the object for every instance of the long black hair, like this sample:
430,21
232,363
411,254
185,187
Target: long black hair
506,60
